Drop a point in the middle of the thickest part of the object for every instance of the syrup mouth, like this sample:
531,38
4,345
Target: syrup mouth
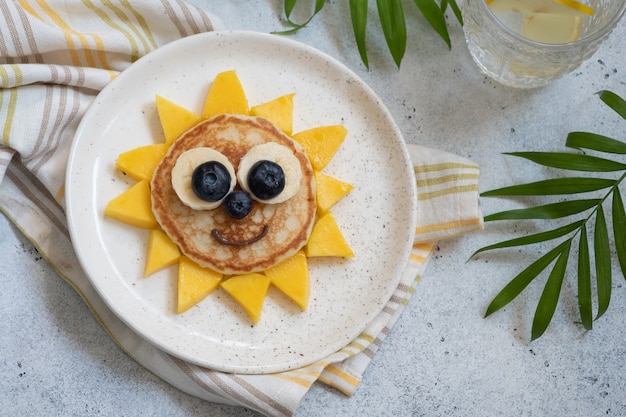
225,241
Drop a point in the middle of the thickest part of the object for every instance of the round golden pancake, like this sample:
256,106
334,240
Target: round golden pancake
288,224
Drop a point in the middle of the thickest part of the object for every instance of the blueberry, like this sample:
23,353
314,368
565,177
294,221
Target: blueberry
238,204
210,181
266,179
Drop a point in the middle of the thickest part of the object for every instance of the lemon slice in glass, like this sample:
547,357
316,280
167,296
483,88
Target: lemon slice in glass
550,28
562,7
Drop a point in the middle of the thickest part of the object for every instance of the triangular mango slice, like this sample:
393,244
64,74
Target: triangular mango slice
278,111
133,206
162,252
226,95
194,283
327,240
321,143
140,163
292,278
175,120
329,191
249,291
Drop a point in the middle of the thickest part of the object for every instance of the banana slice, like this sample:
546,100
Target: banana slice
278,154
182,175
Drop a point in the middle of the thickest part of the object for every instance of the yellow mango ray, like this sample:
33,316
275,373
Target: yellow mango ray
162,252
141,162
134,207
175,120
292,278
195,283
278,111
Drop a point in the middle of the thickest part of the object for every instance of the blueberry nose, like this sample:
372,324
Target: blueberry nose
238,204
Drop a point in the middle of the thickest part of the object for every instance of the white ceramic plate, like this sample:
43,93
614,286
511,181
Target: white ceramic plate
377,217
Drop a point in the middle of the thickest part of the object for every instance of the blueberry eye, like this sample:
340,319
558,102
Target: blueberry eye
211,181
270,172
202,177
266,180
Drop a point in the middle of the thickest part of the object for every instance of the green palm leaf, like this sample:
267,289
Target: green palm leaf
434,14
575,162
455,8
595,142
602,254
551,293
556,186
619,232
392,22
534,238
548,211
522,280
358,14
592,206
584,281
392,19
288,7
614,101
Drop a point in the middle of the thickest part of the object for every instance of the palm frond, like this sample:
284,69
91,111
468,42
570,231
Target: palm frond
392,22
593,218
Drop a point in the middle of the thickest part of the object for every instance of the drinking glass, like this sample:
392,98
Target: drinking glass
516,61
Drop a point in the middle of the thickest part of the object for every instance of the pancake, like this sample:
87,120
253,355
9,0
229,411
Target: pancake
288,223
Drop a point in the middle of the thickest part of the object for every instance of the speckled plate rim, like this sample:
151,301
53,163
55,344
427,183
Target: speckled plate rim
377,217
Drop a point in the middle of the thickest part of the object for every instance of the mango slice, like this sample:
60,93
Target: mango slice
321,143
175,120
327,240
133,206
292,278
278,111
329,191
140,163
226,95
249,291
162,252
194,283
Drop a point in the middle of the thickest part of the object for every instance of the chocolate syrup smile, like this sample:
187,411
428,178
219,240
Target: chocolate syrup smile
216,234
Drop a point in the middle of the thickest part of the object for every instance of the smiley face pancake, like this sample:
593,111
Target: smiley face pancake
274,228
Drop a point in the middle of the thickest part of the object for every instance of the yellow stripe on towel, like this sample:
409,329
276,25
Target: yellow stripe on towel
68,33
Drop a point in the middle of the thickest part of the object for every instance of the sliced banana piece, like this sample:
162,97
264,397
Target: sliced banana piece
182,174
280,155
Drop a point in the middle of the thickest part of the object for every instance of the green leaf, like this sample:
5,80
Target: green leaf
393,24
602,253
551,293
288,7
595,142
535,238
434,15
358,14
571,161
614,101
455,9
584,281
522,280
619,230
556,186
548,211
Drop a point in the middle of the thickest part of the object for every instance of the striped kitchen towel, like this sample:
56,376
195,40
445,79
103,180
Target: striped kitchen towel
55,56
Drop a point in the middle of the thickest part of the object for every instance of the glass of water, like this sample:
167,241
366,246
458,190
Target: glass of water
506,41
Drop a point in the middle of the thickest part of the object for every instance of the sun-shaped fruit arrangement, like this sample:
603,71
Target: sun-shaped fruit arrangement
234,197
